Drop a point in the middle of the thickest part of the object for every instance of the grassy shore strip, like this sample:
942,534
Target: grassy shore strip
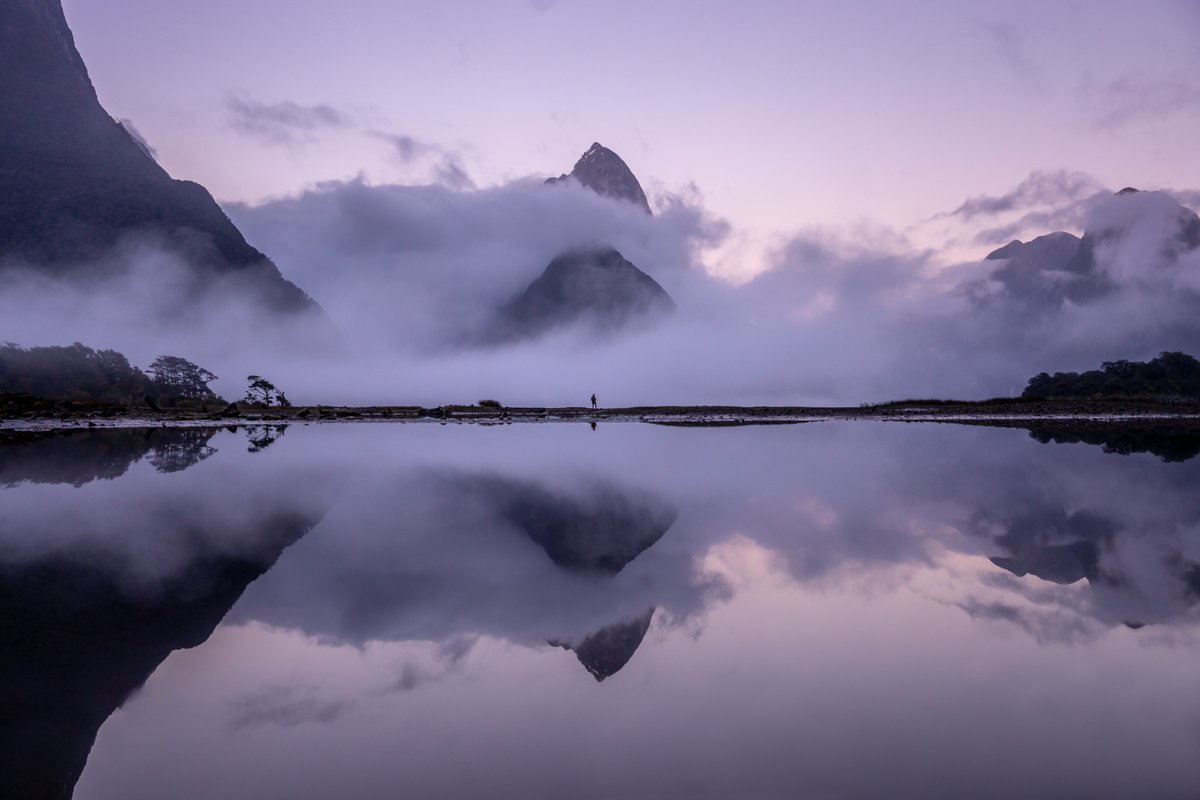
17,411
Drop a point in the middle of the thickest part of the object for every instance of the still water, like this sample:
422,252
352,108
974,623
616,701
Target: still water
826,610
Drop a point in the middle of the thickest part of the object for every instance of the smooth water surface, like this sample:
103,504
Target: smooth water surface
827,610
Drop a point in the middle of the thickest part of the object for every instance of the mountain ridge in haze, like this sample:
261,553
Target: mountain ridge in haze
75,183
1141,231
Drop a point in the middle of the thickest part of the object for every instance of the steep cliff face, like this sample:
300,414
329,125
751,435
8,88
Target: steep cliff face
603,171
74,182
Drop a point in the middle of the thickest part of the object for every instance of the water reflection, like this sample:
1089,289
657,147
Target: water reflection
423,552
77,457
735,590
97,588
1170,441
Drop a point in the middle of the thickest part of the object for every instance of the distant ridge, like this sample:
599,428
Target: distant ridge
1060,266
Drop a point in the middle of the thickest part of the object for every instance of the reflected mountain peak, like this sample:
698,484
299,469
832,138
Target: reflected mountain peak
1055,545
605,652
600,528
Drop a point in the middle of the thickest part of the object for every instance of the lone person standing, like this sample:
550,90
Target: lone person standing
593,401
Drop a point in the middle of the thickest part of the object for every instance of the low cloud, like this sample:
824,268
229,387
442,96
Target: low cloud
1117,103
1041,188
137,137
285,122
1045,627
1009,42
445,163
284,706
447,662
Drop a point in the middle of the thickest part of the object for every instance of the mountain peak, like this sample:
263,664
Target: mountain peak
606,174
596,286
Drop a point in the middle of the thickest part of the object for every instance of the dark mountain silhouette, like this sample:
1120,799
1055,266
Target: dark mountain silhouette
1028,263
74,183
591,285
1055,545
77,637
605,652
598,288
74,646
603,171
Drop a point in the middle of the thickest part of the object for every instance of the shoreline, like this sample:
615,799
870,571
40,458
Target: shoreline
51,415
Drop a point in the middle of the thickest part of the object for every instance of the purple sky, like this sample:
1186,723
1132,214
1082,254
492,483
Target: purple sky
785,115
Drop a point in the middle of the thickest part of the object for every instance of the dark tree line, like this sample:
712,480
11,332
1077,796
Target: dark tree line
1170,376
80,373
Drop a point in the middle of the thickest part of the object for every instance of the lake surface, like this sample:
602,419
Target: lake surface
827,610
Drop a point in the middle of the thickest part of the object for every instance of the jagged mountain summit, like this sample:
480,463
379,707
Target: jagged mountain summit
606,174
594,287
75,183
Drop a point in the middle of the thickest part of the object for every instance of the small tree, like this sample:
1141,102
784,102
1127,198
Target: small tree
177,377
262,392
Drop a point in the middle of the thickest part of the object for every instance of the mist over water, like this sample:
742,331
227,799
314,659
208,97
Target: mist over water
399,599
413,276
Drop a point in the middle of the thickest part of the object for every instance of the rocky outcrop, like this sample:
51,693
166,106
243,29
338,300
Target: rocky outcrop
603,171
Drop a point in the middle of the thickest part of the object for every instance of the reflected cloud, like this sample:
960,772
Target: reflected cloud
548,535
464,554
285,706
1045,627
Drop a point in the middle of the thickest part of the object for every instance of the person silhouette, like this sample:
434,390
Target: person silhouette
593,401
